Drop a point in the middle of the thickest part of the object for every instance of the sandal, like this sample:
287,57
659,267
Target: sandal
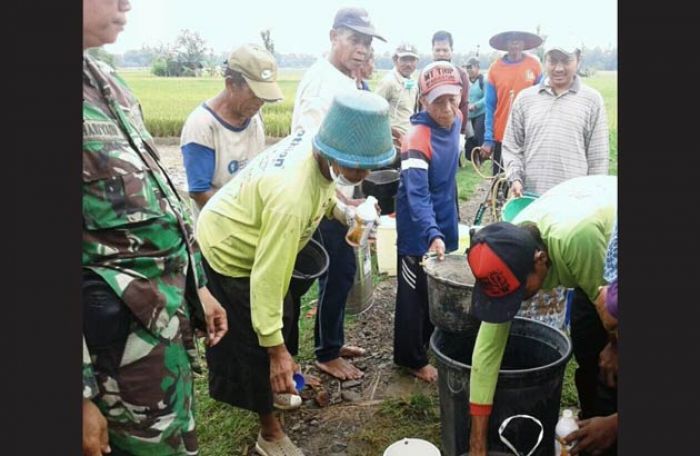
286,401
282,447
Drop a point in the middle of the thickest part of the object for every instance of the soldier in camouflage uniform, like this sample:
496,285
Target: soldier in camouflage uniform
143,281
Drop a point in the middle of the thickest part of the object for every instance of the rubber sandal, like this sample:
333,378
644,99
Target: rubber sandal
282,447
286,401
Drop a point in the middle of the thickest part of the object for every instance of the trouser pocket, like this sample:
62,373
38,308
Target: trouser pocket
106,322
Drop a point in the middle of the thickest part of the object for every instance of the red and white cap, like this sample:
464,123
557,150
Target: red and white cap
501,256
439,78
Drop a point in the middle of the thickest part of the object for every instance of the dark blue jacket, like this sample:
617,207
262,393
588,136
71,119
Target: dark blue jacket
425,202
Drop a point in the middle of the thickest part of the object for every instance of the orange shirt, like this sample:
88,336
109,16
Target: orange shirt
508,79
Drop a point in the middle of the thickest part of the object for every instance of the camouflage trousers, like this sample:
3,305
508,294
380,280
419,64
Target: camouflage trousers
146,389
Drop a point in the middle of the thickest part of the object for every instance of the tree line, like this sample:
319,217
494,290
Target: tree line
189,55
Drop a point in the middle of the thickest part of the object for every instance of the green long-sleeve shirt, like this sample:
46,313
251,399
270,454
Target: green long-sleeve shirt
575,219
255,225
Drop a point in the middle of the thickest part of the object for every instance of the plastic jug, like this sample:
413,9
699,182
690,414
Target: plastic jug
366,218
565,426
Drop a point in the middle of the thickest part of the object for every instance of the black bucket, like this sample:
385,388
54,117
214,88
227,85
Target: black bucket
383,185
529,383
312,261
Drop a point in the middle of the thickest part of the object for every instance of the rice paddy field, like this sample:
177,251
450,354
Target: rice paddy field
168,101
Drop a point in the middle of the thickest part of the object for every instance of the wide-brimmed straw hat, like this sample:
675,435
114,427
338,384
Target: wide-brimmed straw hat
500,40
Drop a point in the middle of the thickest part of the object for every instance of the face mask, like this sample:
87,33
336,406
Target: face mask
340,179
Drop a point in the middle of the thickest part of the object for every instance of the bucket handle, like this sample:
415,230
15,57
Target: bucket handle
510,445
451,381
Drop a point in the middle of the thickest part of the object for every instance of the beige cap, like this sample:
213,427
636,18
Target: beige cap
406,49
259,69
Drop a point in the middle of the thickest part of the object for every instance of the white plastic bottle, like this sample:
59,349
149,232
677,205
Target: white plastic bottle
565,426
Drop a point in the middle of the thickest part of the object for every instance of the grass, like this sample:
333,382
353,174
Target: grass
606,84
416,416
225,430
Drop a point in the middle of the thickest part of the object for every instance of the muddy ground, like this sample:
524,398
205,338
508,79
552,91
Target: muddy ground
333,430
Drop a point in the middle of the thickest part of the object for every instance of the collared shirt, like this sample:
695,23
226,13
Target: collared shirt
551,138
137,236
136,232
394,88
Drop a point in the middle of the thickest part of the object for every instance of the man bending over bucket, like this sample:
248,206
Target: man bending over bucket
600,432
250,232
559,240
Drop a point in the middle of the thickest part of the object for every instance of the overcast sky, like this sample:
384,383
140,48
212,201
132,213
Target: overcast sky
302,26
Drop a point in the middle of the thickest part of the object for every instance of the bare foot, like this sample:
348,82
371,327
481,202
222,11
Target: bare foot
340,369
312,380
426,373
352,351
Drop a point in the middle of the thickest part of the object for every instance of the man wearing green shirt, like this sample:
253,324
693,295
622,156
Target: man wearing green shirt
250,232
559,240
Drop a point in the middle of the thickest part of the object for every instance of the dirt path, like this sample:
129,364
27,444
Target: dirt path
335,429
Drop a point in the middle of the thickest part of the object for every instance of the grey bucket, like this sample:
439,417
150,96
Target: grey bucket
529,382
449,295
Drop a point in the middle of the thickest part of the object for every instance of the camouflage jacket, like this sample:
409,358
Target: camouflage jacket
137,234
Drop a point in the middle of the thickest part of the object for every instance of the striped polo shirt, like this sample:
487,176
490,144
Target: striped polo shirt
552,138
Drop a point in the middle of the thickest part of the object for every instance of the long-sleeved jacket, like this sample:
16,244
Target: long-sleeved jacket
425,201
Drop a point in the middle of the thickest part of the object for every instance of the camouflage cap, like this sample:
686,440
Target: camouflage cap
259,69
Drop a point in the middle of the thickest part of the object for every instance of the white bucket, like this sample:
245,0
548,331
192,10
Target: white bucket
386,244
463,237
412,447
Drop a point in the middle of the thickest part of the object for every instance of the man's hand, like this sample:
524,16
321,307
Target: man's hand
477,436
472,107
438,246
215,316
281,370
516,189
485,150
594,435
609,322
396,136
607,361
95,437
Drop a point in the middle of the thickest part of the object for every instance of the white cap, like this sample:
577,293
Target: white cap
567,413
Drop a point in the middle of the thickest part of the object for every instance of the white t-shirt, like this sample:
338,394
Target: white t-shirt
205,134
321,82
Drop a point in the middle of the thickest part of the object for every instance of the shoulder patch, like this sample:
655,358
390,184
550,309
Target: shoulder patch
418,138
